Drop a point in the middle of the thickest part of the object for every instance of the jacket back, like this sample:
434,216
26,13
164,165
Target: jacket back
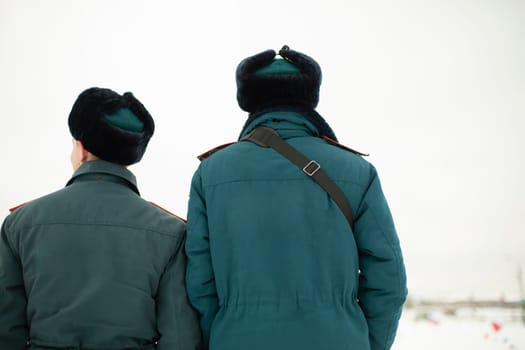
283,261
102,268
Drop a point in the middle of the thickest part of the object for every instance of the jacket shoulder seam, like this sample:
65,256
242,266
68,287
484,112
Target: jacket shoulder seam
335,143
208,153
168,212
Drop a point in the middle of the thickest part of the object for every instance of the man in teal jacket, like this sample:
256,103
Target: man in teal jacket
272,261
93,265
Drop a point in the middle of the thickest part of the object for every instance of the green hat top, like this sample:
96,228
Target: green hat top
124,119
278,66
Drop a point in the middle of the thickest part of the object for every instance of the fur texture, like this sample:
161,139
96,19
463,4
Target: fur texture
260,91
103,139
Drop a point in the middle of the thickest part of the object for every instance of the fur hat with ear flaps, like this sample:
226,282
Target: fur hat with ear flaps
266,83
113,127
259,88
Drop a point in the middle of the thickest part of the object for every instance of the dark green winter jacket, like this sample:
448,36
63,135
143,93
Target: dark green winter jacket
272,261
94,266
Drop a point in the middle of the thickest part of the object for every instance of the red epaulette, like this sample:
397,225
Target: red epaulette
335,143
18,206
169,212
213,150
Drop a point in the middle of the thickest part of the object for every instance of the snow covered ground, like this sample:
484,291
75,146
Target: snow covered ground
492,329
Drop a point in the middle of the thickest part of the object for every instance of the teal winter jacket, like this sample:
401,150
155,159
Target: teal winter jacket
272,261
94,266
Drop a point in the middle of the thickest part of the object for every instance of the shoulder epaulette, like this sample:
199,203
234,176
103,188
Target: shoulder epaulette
335,143
16,207
167,211
213,150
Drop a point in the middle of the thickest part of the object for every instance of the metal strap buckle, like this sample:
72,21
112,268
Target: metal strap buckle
311,168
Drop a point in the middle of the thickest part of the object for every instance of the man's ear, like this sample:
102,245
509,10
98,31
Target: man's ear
82,152
79,154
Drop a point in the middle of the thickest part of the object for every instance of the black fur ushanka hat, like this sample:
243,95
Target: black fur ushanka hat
113,127
257,90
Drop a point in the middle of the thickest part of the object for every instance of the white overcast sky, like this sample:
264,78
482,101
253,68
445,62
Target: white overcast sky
434,90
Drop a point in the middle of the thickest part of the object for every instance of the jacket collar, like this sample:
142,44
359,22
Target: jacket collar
286,123
109,171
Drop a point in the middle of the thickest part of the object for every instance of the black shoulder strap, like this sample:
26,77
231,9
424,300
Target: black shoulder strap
267,137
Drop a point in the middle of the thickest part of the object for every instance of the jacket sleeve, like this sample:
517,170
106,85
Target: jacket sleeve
200,277
177,321
13,323
382,280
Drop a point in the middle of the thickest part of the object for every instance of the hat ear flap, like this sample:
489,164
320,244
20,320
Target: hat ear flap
138,108
253,63
247,91
305,63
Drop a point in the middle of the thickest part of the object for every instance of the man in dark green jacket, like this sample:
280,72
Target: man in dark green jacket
272,261
93,265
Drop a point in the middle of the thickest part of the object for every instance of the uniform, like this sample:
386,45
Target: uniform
94,266
272,261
